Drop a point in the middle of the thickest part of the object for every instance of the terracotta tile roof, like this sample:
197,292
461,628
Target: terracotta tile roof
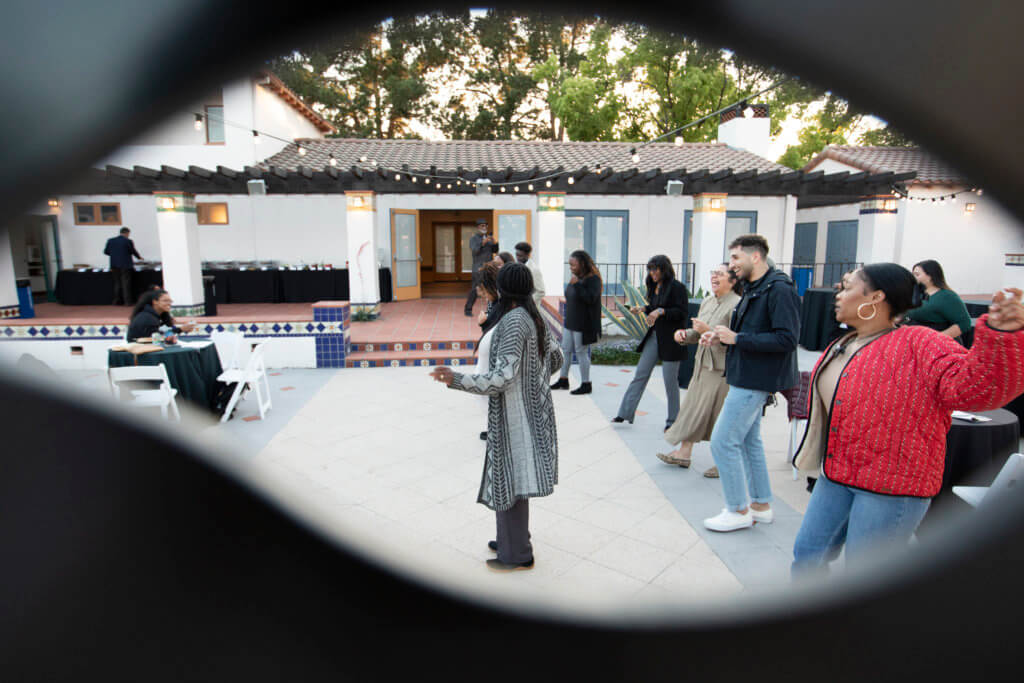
930,170
498,155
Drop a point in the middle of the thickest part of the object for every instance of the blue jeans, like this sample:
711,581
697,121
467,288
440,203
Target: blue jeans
838,514
738,451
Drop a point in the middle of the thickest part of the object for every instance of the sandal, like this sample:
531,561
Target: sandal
670,459
712,473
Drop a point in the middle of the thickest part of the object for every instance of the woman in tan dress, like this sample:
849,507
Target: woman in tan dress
707,390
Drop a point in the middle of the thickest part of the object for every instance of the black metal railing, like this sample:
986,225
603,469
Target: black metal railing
807,275
613,274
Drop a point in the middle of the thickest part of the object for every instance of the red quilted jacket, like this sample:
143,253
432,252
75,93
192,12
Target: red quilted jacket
891,411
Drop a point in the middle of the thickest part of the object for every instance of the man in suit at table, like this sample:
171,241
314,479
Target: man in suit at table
121,249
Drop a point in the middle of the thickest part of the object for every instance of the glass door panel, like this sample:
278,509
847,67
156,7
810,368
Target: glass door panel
513,228
466,232
406,254
575,238
444,249
609,250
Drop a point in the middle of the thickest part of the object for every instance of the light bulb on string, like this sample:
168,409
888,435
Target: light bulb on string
548,183
255,137
449,186
679,141
199,122
333,161
397,177
302,151
952,198
530,187
571,180
979,192
414,179
748,111
502,188
362,160
515,188
634,155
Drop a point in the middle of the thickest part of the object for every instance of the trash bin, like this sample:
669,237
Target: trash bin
25,298
209,295
802,277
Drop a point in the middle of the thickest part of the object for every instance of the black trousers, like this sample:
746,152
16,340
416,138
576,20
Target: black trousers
513,534
471,298
122,286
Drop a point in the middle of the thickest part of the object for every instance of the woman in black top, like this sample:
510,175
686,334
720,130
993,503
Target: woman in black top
666,312
582,326
152,311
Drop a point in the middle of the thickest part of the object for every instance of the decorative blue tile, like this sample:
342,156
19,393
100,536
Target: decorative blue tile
44,331
80,331
103,330
208,328
276,328
115,330
309,327
242,328
8,332
220,328
320,327
287,327
253,329
68,331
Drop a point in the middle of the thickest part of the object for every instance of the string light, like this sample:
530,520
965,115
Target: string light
679,141
398,177
549,183
255,137
634,156
333,161
199,122
979,192
502,188
530,187
571,180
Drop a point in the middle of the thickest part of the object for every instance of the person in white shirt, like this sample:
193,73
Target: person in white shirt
523,251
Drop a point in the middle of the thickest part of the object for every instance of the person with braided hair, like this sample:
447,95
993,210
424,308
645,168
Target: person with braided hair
522,444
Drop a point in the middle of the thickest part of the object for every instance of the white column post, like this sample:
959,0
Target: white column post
550,242
8,290
178,230
363,277
878,229
708,235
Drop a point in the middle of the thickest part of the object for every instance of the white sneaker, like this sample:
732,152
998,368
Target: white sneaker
763,516
727,520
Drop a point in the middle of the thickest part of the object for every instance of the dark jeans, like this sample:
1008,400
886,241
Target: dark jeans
514,533
122,286
471,298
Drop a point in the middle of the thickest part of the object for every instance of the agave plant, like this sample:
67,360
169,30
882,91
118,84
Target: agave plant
632,324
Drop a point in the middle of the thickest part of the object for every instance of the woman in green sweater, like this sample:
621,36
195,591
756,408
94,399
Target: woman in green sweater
941,308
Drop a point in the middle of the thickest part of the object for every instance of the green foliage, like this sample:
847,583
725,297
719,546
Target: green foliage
613,355
886,136
632,324
700,293
362,316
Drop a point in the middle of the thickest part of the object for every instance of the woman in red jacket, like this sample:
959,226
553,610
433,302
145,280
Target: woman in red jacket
880,406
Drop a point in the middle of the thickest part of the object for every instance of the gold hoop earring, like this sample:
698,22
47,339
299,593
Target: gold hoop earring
874,311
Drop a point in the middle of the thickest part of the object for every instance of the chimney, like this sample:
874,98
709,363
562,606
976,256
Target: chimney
746,127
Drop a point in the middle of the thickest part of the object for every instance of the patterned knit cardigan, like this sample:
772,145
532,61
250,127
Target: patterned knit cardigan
522,444
886,432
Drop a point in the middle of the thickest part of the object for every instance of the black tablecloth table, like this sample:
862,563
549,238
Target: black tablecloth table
976,309
300,286
817,318
97,289
232,286
192,371
975,452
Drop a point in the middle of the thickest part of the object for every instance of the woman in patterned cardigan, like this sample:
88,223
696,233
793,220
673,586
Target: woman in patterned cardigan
522,444
880,406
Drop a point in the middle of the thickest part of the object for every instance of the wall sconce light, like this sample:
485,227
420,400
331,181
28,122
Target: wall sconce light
357,201
969,207
889,205
716,203
166,203
53,203
199,122
554,202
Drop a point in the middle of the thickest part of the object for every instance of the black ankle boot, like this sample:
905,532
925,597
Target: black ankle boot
583,388
562,383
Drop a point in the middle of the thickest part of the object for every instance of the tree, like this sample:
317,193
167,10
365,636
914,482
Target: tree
372,84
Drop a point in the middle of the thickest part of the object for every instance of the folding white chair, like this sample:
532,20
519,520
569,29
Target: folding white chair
796,411
230,349
161,397
250,376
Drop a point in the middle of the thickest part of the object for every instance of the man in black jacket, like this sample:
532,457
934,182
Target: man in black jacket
484,247
760,360
120,249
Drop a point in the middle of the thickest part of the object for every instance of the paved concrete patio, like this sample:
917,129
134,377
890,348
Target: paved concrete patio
390,462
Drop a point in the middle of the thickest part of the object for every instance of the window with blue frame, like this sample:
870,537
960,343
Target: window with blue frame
736,223
605,236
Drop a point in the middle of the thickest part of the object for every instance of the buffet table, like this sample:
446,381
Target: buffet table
233,286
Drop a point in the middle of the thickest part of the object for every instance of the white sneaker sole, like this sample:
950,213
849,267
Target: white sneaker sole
726,529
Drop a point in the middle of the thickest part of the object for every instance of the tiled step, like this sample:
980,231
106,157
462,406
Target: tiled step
359,346
384,359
